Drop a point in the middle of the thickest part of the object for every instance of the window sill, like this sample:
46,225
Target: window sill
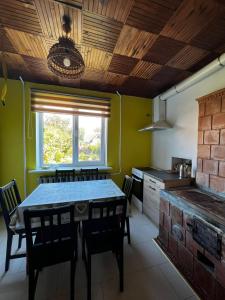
52,170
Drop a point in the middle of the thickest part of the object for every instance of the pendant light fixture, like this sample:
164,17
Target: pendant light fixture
64,59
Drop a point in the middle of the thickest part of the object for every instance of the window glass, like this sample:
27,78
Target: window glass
89,138
69,140
57,139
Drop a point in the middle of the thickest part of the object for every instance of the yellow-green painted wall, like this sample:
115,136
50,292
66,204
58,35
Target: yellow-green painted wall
136,146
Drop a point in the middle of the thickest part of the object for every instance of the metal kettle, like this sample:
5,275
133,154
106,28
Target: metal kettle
183,171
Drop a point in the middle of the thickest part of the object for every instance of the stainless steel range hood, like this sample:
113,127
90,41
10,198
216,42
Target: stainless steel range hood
160,124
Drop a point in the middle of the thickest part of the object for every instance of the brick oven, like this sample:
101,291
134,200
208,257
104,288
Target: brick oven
192,219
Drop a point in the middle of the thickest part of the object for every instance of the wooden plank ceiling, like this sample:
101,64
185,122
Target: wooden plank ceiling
138,47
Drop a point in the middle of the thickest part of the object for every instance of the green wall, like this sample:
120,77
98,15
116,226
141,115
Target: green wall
135,145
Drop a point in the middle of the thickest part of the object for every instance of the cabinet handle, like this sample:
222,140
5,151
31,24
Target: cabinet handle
152,181
152,188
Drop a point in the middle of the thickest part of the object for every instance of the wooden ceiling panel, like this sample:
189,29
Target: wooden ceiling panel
114,79
100,32
189,19
93,75
5,44
27,44
167,75
50,15
145,69
96,59
138,47
134,42
163,50
212,36
187,57
117,10
151,15
15,64
20,15
122,64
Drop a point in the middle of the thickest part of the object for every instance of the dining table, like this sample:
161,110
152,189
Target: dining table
77,193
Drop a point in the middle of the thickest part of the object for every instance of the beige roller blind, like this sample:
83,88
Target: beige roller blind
46,101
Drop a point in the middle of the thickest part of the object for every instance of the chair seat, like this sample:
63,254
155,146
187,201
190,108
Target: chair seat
60,250
102,242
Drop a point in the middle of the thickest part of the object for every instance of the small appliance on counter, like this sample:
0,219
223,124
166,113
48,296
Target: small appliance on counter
182,166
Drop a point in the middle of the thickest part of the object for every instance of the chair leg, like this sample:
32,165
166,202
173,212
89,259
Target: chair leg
8,251
72,278
89,277
121,268
128,229
83,248
20,241
31,288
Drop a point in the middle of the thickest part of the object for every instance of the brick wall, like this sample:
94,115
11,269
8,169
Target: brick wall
211,142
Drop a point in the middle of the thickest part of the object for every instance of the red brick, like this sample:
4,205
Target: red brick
201,109
164,206
161,218
218,152
191,245
204,280
211,137
220,272
213,105
163,236
220,292
199,165
202,179
222,169
203,151
217,184
186,261
223,103
167,222
210,166
205,123
174,230
222,137
176,215
188,222
173,246
218,121
200,137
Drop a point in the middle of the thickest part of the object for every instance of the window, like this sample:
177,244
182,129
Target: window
68,140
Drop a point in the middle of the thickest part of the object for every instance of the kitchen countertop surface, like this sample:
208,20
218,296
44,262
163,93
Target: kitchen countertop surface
192,200
162,175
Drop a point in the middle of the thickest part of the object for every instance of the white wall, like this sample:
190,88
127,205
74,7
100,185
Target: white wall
182,112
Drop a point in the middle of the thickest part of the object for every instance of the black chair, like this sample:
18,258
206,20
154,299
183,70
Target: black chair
88,174
10,199
55,242
65,175
47,179
128,189
104,231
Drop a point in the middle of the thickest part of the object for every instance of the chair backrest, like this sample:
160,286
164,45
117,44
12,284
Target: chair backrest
9,200
88,174
107,215
47,179
50,224
128,187
65,175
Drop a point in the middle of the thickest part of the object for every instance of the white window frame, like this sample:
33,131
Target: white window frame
75,161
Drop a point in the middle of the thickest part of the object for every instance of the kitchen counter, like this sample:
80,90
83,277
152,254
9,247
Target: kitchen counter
206,204
163,175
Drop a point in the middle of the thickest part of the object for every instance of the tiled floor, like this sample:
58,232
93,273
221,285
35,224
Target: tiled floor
148,274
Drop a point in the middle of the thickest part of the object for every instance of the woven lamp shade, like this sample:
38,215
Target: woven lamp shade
65,60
